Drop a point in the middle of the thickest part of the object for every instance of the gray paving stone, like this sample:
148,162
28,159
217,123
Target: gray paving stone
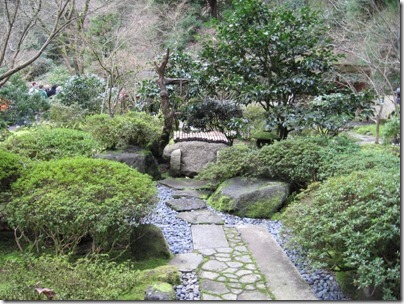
250,266
208,236
224,250
229,297
236,291
235,285
208,297
207,251
183,183
220,259
214,266
283,279
208,275
201,217
243,272
234,264
221,279
255,295
244,259
186,204
187,262
222,254
213,287
190,193
250,278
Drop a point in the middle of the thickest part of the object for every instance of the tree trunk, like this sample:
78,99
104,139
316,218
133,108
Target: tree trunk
164,104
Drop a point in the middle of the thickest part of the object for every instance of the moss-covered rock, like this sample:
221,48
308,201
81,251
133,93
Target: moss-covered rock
250,197
160,292
166,273
147,241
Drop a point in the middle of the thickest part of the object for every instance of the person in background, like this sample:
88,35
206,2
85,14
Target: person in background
33,89
42,91
398,98
52,90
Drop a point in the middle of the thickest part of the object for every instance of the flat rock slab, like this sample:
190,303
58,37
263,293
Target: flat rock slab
201,217
208,236
190,193
186,204
253,295
187,262
283,279
184,183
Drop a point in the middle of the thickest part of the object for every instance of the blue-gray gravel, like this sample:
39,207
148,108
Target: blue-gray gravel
179,238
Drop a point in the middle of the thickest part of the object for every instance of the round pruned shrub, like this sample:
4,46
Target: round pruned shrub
297,160
58,203
51,143
133,128
351,223
237,160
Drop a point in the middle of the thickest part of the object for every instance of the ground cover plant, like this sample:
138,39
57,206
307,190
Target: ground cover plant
58,203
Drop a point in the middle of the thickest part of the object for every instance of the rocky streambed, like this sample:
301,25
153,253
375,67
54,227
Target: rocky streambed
179,238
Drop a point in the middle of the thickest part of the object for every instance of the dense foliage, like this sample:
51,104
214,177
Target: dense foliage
211,114
134,128
296,160
352,223
23,106
44,143
58,203
10,169
274,56
83,90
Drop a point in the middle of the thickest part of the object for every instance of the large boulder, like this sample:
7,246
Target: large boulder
192,156
135,157
148,241
250,197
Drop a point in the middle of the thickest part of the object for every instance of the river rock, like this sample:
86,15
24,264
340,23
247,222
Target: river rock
250,197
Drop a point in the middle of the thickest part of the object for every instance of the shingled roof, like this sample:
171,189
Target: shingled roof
211,137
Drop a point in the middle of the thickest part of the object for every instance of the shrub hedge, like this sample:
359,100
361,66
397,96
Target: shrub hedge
59,202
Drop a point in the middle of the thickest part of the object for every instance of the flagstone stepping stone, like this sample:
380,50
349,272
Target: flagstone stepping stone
191,193
184,183
186,204
201,217
208,236
187,262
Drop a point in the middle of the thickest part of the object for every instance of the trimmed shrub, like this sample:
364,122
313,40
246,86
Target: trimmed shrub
297,160
57,203
133,128
391,132
66,116
51,143
237,160
352,223
367,157
10,169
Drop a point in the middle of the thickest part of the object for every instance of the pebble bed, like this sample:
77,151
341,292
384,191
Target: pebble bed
179,238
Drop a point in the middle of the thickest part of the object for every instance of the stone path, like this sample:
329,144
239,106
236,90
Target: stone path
233,262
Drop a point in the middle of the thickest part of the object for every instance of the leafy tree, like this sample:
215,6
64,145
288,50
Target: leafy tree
274,56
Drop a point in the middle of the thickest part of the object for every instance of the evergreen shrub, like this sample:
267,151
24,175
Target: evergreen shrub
134,128
58,203
45,143
237,160
351,223
298,160
10,169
